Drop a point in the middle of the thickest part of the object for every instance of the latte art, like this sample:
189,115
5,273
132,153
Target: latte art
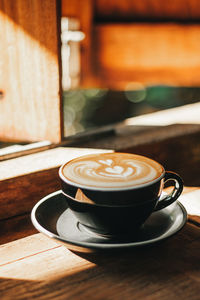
111,170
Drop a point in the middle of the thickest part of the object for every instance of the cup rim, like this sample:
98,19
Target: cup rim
109,189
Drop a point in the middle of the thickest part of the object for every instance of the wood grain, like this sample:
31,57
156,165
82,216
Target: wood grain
168,270
146,53
25,247
31,109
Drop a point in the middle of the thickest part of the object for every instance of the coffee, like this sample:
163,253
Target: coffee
110,171
113,194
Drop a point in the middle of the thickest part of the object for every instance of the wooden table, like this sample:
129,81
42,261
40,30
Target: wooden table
36,267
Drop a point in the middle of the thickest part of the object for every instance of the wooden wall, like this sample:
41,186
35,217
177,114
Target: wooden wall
31,105
150,41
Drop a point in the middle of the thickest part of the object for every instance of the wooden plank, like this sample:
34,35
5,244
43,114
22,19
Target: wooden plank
146,53
16,228
26,179
31,109
115,10
25,247
192,204
59,260
169,270
20,150
186,114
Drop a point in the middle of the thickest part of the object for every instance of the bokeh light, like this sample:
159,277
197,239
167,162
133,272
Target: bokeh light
135,92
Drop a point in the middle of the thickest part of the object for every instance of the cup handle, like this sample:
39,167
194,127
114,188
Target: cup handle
177,190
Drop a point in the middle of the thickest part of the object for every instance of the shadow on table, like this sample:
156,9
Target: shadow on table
168,270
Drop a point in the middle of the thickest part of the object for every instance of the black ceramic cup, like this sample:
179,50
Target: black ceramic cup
118,208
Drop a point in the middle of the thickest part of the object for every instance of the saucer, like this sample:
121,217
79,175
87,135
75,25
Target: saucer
52,217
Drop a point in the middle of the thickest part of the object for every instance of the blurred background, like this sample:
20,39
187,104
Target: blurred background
127,58
70,66
93,108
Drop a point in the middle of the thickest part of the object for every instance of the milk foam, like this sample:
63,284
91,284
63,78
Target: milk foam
112,170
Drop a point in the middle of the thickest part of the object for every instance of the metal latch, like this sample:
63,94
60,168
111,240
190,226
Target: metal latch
71,37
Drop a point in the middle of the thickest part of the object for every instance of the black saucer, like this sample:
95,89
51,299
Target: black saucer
52,217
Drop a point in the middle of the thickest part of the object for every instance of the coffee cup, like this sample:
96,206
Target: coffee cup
113,194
